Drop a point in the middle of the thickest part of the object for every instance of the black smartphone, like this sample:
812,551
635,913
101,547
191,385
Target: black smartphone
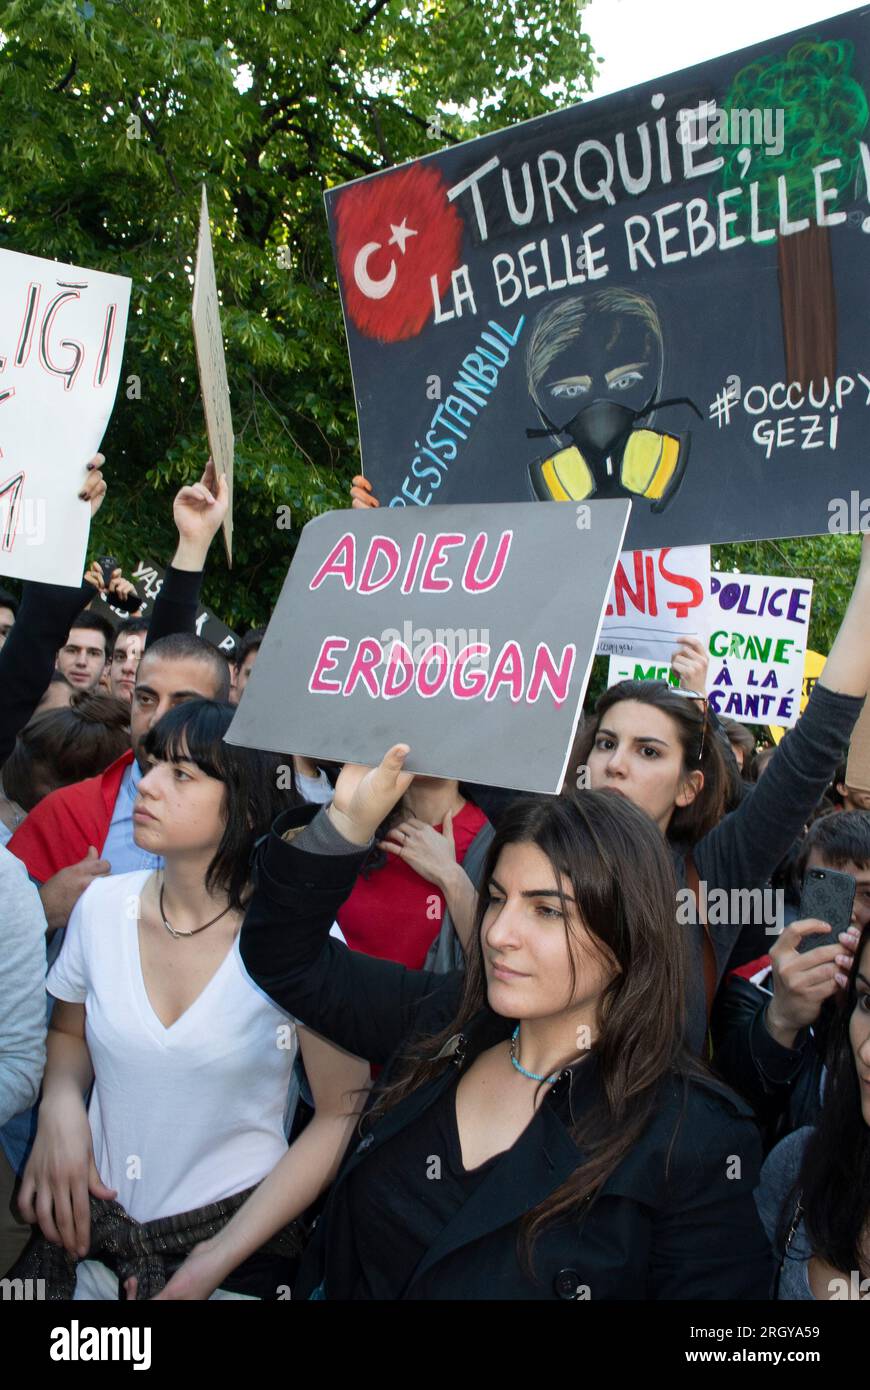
108,564
828,895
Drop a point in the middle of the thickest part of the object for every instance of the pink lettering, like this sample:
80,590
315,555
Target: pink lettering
327,662
341,560
381,548
429,584
399,660
545,669
414,563
467,690
436,651
508,671
369,654
472,582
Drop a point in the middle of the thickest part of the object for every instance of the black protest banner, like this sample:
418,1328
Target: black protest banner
659,294
467,634
148,579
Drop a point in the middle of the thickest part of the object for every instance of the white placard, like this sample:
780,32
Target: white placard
61,342
758,642
657,598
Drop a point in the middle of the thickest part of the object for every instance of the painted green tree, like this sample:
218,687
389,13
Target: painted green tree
115,112
824,112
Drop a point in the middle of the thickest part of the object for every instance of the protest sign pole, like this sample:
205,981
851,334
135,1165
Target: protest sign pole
211,363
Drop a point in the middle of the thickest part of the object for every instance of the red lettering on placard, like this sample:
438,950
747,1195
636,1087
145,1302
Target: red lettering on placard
681,607
621,586
14,487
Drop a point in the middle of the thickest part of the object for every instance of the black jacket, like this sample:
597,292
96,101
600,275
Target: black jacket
44,619
782,1084
686,1228
748,844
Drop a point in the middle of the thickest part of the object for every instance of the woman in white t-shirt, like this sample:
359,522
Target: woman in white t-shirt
191,1064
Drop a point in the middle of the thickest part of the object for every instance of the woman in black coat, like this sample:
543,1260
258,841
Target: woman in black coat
540,1130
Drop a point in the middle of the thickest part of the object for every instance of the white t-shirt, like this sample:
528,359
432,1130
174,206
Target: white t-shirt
181,1116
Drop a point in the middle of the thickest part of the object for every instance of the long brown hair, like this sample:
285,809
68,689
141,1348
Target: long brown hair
622,880
701,745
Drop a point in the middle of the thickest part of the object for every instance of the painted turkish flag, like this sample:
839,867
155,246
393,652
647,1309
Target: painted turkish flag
393,233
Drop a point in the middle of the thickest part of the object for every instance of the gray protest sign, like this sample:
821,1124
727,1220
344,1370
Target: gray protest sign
467,632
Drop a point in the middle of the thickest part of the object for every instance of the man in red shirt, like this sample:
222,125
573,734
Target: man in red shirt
63,837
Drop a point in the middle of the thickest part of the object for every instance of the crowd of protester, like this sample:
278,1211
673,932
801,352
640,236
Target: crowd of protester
276,1027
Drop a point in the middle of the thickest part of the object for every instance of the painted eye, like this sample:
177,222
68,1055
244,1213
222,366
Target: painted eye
622,383
568,390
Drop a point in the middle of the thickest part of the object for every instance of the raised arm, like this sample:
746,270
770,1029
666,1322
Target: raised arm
847,668
365,1005
198,511
44,619
745,848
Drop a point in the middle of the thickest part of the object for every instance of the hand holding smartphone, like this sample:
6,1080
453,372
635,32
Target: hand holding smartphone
828,895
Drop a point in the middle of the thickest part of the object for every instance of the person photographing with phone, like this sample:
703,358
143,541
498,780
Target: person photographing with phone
772,1019
814,1195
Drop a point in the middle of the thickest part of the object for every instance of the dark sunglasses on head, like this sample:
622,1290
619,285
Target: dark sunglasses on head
694,695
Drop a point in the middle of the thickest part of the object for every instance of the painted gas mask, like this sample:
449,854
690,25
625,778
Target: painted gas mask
612,455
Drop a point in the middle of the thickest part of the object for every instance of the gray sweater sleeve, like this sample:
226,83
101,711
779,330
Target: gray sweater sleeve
22,988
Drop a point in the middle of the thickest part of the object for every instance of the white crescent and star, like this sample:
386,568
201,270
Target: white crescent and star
371,287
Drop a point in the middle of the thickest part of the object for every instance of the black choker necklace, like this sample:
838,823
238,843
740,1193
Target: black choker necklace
197,930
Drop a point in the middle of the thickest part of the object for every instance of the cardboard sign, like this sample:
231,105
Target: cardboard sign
757,648
814,665
148,579
212,366
466,633
659,294
658,597
61,341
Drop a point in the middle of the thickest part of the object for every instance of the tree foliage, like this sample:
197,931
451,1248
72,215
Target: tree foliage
115,112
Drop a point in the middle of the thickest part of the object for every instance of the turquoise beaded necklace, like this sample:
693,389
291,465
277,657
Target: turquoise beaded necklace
530,1074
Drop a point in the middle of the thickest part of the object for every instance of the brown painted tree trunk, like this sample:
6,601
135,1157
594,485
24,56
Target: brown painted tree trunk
809,306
